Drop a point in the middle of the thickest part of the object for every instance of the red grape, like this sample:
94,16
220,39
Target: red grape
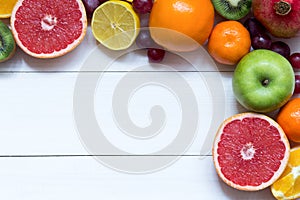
142,6
144,40
297,84
91,5
261,41
144,20
281,48
295,60
254,27
156,55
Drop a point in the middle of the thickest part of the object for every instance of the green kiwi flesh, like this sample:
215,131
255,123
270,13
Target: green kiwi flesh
232,9
7,43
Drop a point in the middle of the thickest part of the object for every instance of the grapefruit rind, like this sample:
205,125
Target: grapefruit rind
55,54
276,175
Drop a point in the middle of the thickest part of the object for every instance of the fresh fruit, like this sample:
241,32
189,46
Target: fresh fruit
288,184
181,25
289,119
156,55
250,151
254,26
115,25
261,41
263,81
6,8
7,43
297,84
46,29
280,17
91,5
142,6
232,9
229,42
144,39
295,60
282,48
144,20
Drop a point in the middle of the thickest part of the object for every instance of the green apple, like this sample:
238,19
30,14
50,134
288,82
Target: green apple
263,81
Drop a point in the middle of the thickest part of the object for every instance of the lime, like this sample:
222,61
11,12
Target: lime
115,25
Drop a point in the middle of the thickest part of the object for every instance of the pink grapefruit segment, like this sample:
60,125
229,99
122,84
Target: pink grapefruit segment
250,151
48,28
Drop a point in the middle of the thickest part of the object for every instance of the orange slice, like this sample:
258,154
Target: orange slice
288,185
6,8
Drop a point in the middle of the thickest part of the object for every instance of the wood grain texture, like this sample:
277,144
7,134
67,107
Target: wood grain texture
43,157
84,178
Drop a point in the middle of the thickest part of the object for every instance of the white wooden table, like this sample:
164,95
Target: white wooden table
42,155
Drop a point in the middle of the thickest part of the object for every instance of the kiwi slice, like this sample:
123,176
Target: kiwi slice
7,43
232,9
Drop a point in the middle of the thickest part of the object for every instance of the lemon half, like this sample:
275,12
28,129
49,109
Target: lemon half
115,25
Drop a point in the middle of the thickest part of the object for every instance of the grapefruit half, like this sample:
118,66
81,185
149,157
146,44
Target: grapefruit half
48,28
250,151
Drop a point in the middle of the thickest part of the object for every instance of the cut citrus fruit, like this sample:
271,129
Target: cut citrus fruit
48,29
288,185
115,25
6,8
250,151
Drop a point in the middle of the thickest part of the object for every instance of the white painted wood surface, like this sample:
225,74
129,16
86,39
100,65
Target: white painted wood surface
43,157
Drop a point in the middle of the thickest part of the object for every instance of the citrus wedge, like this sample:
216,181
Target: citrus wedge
6,7
115,25
288,185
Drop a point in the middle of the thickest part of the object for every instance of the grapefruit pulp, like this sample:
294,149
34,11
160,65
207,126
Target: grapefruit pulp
48,29
250,151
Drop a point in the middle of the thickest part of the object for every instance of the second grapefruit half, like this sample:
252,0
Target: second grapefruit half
250,151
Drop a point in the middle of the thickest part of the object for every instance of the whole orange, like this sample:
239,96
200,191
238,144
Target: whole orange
289,119
181,25
229,42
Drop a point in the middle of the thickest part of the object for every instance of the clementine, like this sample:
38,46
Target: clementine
289,119
181,25
229,42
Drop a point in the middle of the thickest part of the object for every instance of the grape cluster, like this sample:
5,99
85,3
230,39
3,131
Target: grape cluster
260,39
155,53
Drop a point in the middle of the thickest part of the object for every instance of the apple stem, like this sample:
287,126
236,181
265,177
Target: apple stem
282,7
265,82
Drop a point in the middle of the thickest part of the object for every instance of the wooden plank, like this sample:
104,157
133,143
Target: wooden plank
84,178
37,116
37,110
